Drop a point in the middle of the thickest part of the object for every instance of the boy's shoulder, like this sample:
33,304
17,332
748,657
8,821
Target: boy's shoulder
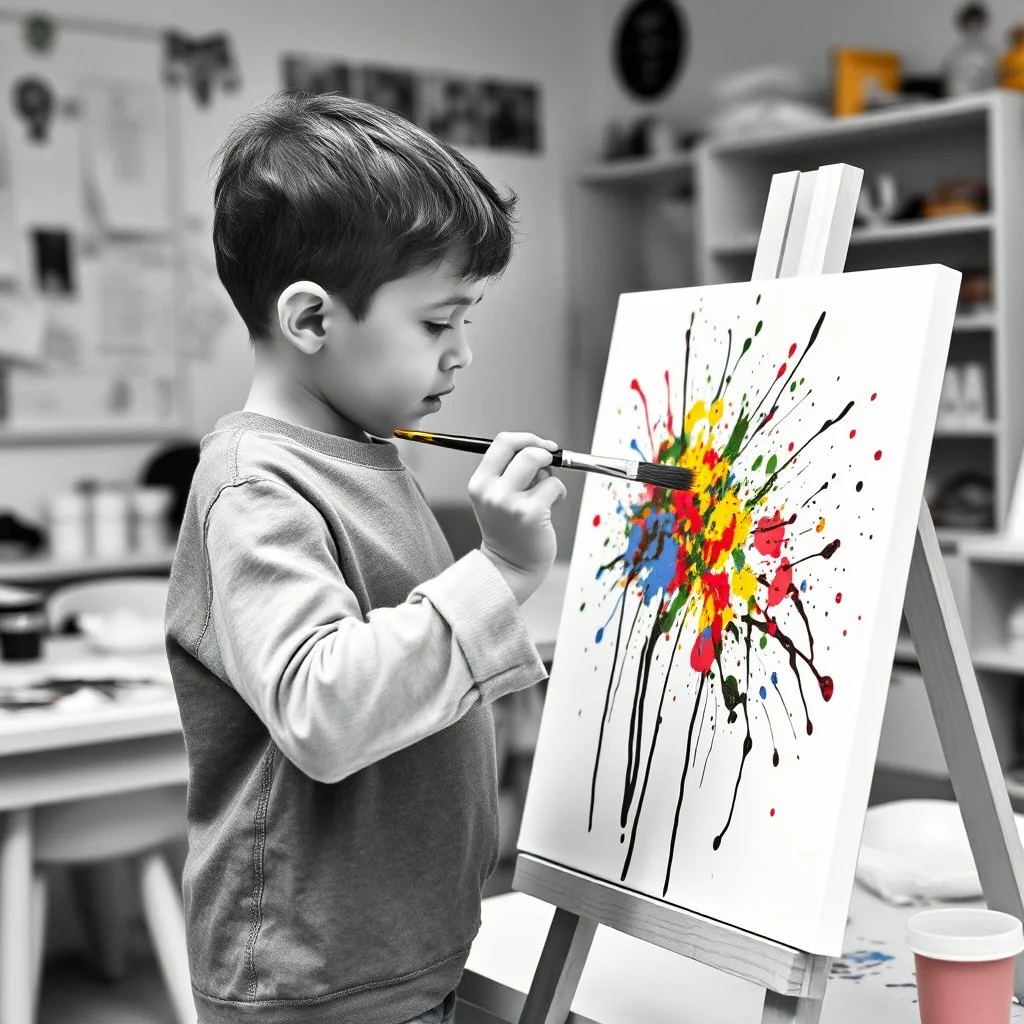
235,452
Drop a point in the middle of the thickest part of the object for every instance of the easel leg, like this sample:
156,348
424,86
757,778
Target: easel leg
790,1009
558,972
963,728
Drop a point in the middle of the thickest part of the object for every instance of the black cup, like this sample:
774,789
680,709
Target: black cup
22,624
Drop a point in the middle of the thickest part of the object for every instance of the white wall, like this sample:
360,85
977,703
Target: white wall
519,375
728,36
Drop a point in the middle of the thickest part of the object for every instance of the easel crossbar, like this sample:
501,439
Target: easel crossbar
764,962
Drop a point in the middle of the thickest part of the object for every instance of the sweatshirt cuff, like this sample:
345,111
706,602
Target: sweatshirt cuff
476,602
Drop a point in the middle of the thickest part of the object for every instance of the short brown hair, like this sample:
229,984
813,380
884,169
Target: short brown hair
351,196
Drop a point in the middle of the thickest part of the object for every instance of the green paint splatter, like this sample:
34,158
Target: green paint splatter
773,463
763,642
757,329
757,462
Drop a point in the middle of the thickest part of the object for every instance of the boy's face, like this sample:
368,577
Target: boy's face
387,370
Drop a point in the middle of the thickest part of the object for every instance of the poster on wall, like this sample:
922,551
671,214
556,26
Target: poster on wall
108,353
126,154
461,110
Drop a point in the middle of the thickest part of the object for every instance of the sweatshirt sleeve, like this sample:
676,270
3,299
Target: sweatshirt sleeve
338,692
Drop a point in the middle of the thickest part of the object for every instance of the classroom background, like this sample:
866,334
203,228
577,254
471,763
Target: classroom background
640,136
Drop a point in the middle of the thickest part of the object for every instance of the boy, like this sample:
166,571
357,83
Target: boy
333,667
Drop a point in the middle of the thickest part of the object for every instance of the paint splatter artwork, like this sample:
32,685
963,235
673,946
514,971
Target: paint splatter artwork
722,660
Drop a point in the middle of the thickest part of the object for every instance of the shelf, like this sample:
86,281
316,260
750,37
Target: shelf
43,569
964,430
955,537
995,549
999,659
941,115
87,433
966,322
903,231
633,171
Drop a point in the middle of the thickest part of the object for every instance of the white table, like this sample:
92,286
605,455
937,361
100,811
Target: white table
54,755
626,981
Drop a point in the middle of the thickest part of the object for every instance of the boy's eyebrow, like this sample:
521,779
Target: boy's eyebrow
457,300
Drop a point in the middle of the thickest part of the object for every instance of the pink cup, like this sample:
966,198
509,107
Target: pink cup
964,960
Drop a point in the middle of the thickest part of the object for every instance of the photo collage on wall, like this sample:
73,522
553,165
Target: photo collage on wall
459,110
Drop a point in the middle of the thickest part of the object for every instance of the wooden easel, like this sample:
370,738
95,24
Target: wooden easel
806,231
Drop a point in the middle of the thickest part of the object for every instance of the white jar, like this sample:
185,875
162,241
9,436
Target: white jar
67,515
110,522
150,506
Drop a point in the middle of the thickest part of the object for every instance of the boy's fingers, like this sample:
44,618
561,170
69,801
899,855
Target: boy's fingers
547,492
524,467
505,447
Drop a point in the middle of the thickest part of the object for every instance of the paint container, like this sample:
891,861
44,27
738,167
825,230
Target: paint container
110,518
22,624
68,516
150,506
964,960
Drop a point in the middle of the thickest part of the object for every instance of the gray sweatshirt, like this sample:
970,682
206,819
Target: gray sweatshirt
334,672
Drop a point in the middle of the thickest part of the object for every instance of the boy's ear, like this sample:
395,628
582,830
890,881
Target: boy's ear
304,310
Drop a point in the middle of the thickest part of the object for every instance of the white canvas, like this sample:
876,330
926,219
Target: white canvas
806,530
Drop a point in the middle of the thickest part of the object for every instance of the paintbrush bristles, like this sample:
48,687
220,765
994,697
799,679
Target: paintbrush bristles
675,478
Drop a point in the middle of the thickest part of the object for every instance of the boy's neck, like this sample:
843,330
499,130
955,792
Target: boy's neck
282,397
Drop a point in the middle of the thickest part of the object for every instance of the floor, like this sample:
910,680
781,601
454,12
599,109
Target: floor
73,991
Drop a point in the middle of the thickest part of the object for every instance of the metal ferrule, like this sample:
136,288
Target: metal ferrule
627,469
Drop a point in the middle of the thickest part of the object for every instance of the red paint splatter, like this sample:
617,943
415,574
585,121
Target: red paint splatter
668,402
853,433
826,687
782,370
839,598
792,445
772,812
874,396
792,350
770,535
779,587
597,520
702,657
635,385
878,455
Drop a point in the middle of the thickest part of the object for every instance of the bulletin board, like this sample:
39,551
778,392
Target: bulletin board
90,247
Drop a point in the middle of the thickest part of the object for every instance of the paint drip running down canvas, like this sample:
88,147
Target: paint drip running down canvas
714,708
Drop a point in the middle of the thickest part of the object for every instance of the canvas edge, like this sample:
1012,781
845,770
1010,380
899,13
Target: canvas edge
841,877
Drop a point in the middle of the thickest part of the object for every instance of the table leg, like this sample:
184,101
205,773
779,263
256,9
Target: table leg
16,945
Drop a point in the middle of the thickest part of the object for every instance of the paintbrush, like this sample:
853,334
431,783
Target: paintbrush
675,478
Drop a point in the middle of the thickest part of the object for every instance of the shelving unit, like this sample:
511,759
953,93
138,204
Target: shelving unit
976,137
43,571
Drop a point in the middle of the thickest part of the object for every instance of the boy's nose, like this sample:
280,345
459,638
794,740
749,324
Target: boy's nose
459,356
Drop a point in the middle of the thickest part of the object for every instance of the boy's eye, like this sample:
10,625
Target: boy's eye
437,329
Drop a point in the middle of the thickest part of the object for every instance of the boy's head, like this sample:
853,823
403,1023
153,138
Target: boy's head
339,229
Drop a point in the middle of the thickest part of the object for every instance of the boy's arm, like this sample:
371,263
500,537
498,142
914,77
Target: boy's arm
338,692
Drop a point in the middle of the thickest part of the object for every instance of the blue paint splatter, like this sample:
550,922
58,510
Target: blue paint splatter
661,553
636,448
763,692
775,679
803,586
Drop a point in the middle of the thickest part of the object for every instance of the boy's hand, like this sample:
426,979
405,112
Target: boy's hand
512,492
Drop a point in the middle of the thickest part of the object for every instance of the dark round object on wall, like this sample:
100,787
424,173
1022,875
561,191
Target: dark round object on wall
651,46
